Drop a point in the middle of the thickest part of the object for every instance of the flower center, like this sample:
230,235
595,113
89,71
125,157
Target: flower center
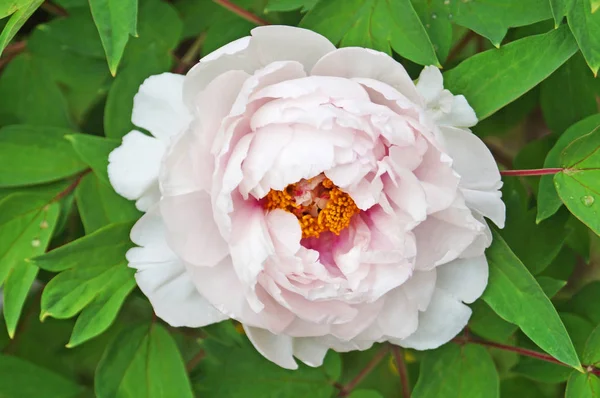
318,204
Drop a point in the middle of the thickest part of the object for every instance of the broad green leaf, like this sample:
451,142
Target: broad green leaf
578,185
229,29
457,371
142,362
591,352
548,200
99,205
21,379
8,7
94,280
379,24
36,154
26,225
115,20
585,26
559,9
568,96
494,78
249,374
514,294
94,150
583,385
437,24
17,20
28,94
290,5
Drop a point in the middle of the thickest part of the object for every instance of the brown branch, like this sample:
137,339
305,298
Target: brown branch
531,172
522,351
402,371
192,363
457,49
11,51
71,187
247,15
347,389
53,9
191,55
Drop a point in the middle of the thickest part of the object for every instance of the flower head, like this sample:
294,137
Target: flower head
316,195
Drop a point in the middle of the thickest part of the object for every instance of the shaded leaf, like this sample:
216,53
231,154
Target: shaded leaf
583,385
94,151
17,20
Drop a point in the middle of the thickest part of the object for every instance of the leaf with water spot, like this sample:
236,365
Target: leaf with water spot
578,185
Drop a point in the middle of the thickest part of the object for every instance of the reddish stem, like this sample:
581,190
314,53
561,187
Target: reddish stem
191,365
347,389
71,187
402,371
457,49
247,15
531,172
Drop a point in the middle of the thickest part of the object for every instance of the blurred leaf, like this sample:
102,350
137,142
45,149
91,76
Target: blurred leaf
514,294
562,266
16,20
115,20
142,362
36,154
457,371
494,78
579,238
583,385
29,94
559,9
249,374
290,5
520,387
568,96
585,26
99,205
585,302
548,200
21,379
378,24
230,28
95,280
94,152
578,185
365,394
198,16
26,225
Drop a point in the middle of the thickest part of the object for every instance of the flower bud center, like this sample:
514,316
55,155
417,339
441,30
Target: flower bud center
319,205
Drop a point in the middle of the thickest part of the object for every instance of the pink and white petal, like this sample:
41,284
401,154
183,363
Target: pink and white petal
461,114
398,318
487,203
285,231
149,198
276,348
310,351
430,84
443,319
420,287
438,180
351,62
191,230
162,277
133,167
464,278
158,106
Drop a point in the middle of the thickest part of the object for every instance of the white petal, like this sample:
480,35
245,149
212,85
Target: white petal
191,229
445,317
353,62
148,198
487,203
310,351
430,84
163,277
461,114
158,106
133,166
464,278
399,316
276,348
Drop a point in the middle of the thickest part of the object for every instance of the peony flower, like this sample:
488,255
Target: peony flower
316,195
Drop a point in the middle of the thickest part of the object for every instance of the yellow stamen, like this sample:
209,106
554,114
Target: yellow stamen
334,216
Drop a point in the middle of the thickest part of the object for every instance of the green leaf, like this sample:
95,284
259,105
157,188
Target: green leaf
514,294
17,20
378,24
548,200
365,394
437,24
94,151
99,205
578,185
115,20
249,374
290,5
94,280
8,7
568,96
494,78
142,362
520,387
26,225
585,302
559,10
21,379
583,385
35,154
585,26
591,352
29,95
457,371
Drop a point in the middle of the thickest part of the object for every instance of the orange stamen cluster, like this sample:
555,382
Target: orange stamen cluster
319,207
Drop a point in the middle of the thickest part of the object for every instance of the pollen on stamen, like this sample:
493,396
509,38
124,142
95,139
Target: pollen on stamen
319,205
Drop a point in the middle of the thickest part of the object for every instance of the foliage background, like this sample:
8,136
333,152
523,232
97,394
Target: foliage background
74,323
